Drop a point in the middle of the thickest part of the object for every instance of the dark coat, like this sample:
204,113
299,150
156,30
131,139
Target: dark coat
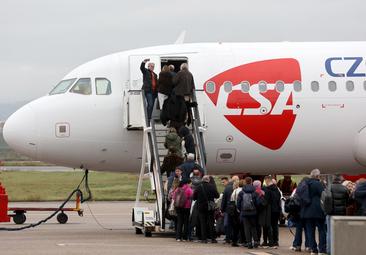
165,83
183,83
204,193
264,213
187,168
273,198
314,210
247,189
171,161
173,140
174,109
360,196
147,84
188,139
340,199
226,196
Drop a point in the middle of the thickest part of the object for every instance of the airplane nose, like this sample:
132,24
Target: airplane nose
20,132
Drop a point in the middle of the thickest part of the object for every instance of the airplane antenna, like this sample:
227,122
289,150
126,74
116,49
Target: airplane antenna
181,37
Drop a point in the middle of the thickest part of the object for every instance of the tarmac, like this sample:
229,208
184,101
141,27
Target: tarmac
110,232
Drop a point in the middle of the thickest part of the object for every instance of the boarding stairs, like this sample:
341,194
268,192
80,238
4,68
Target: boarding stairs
153,153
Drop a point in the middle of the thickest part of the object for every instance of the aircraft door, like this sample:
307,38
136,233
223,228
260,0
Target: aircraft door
134,106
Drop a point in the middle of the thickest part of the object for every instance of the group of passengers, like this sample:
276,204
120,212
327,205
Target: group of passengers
173,90
311,207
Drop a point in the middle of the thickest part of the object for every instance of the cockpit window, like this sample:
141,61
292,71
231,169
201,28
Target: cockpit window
82,86
103,86
62,86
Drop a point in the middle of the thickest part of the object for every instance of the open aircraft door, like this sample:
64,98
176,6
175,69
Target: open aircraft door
135,116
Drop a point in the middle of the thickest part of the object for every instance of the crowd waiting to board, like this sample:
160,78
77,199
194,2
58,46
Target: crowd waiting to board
248,212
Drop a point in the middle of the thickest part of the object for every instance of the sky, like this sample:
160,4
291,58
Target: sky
42,40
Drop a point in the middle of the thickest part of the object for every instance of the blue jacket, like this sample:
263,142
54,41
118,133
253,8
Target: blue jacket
187,168
313,211
226,196
247,189
360,196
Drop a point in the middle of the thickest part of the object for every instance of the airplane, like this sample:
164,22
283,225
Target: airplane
284,108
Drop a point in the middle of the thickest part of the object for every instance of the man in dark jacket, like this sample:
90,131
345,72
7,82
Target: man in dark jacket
340,198
165,85
360,195
313,214
189,165
203,194
184,83
273,197
150,85
175,111
224,204
187,137
171,161
246,204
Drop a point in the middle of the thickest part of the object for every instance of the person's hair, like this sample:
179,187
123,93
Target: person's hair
257,183
171,68
178,167
241,183
248,180
236,184
235,178
184,66
224,178
165,68
315,173
151,63
172,130
206,178
176,183
190,156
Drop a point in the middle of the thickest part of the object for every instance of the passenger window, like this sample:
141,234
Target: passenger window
210,87
62,86
82,86
297,86
103,86
262,86
245,86
332,85
350,86
228,86
280,86
315,86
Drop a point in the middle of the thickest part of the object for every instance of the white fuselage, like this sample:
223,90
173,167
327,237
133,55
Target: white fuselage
290,131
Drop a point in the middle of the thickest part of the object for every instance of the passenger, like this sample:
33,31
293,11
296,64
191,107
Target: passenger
172,70
196,180
165,85
264,214
340,201
242,239
224,206
171,161
313,214
360,195
233,213
187,138
177,174
247,202
184,83
273,198
171,210
189,165
205,195
150,85
175,111
287,185
172,139
353,205
182,199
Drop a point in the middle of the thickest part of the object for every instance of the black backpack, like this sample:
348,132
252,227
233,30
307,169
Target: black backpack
293,204
326,201
248,203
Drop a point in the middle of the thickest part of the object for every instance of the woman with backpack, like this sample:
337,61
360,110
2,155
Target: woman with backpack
182,198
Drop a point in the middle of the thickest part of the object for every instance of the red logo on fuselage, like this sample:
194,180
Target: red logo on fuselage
267,116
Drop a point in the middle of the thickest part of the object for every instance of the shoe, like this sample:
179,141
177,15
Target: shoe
203,241
213,241
234,245
256,245
227,241
250,246
307,249
179,240
264,245
295,248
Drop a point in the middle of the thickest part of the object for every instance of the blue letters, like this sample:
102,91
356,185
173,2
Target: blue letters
351,72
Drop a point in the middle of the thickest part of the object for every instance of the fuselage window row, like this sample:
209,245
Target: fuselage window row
83,86
263,86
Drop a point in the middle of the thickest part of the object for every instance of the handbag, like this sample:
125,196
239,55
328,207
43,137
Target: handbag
171,210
